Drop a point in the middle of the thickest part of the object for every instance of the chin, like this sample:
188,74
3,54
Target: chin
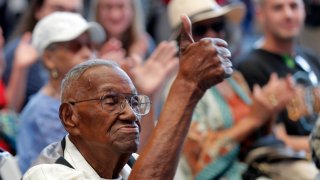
128,147
288,36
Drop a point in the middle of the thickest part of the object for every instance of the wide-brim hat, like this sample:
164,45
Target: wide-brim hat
64,26
199,10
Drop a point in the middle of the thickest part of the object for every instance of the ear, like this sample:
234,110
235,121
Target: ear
259,15
69,118
48,60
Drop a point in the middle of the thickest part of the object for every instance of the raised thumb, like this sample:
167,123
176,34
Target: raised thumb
185,33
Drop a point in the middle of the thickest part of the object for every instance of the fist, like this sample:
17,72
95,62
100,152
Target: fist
206,62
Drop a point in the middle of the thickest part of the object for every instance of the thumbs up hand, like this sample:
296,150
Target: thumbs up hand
205,62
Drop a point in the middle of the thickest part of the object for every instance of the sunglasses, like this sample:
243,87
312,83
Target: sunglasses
202,29
76,45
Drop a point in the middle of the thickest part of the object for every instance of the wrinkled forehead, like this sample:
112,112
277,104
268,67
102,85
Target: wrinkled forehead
100,79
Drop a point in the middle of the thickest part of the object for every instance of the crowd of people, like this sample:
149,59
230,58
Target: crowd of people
87,92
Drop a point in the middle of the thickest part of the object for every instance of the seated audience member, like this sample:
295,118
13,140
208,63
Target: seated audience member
128,43
229,113
277,52
18,48
101,109
63,40
123,21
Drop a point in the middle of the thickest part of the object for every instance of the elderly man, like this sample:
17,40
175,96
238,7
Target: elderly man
101,110
64,40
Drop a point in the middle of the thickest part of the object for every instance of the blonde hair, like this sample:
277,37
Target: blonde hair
136,29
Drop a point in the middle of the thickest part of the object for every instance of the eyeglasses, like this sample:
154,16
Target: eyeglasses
202,29
140,104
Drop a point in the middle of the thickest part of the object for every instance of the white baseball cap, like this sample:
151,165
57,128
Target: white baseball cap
64,26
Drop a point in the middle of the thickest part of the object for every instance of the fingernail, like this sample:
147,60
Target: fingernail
224,52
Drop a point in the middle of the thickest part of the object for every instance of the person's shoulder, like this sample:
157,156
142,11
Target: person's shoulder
10,47
49,154
51,171
249,57
39,106
247,60
309,53
310,56
256,58
35,101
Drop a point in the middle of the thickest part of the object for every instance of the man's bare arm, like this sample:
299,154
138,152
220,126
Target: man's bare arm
200,68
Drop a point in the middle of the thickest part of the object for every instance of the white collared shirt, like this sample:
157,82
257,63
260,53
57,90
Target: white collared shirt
82,169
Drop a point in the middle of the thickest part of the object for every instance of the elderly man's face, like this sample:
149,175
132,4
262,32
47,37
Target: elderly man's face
101,126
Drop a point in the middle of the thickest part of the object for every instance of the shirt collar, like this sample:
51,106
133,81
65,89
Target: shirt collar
74,157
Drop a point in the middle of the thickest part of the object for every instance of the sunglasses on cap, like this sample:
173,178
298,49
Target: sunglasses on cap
202,29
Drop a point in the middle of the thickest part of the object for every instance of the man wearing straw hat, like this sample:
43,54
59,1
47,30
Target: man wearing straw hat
208,19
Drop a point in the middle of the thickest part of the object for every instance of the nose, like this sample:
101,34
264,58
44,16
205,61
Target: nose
86,52
211,33
115,13
128,112
288,11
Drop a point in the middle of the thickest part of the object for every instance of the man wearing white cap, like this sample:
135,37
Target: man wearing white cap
63,40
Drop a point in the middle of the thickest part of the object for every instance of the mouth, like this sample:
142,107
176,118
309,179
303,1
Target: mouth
129,128
290,25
